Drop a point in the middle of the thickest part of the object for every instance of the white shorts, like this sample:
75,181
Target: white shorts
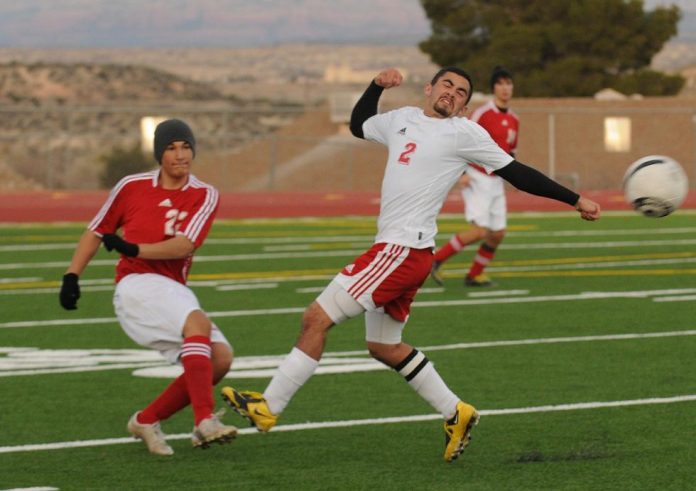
484,200
152,310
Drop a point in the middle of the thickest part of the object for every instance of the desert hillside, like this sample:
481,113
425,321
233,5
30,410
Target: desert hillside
82,83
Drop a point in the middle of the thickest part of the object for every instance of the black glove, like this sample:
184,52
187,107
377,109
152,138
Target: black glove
69,291
114,241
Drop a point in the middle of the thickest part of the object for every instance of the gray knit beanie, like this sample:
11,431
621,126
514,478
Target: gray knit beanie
172,130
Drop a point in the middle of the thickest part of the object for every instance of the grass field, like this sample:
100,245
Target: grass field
582,360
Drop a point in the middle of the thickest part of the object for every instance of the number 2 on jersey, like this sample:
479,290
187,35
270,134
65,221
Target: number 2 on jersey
405,158
174,217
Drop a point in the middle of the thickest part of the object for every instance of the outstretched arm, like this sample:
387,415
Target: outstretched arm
534,182
366,107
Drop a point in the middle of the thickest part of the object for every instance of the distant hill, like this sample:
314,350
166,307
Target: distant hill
82,83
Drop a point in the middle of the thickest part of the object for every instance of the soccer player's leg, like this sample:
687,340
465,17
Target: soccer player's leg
333,306
196,358
384,328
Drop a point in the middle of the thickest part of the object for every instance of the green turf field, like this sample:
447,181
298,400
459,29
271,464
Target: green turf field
582,361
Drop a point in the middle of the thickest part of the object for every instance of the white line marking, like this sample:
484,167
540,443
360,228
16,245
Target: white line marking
18,280
499,293
33,361
247,286
366,422
683,298
434,303
310,289
370,237
55,290
357,252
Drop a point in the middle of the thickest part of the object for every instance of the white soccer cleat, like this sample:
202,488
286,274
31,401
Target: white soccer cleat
151,434
212,430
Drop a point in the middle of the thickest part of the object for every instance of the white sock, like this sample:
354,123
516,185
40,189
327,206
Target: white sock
293,372
420,374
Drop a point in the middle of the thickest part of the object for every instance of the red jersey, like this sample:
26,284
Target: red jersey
147,213
503,126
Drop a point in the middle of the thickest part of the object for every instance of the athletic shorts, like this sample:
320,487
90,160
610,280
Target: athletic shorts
152,310
484,201
388,276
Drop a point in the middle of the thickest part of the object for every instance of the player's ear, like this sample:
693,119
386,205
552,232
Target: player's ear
428,89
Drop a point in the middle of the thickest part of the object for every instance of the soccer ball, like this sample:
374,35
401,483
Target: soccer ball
655,185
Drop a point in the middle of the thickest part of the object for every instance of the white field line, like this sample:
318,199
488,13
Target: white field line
499,293
369,237
356,252
367,422
420,304
266,361
247,286
93,368
55,289
683,298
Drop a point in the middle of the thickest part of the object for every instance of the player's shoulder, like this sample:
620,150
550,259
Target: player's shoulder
466,125
201,186
405,111
139,179
482,109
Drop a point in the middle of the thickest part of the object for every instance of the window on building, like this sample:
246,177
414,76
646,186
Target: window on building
617,134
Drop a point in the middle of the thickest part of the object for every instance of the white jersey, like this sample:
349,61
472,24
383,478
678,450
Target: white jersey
426,158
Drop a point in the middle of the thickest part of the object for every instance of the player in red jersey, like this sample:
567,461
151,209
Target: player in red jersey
483,193
164,216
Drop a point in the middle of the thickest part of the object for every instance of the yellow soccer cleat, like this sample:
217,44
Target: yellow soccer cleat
458,430
252,406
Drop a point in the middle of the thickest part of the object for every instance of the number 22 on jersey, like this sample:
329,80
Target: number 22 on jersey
174,218
405,157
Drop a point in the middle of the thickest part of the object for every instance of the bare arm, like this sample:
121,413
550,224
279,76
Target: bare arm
84,252
175,248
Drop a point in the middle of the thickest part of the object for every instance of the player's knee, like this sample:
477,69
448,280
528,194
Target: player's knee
222,360
197,324
496,237
315,319
385,353
479,232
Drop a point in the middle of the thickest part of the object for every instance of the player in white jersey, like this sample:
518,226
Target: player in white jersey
483,193
429,149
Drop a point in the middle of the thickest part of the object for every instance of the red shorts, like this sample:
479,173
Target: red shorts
388,276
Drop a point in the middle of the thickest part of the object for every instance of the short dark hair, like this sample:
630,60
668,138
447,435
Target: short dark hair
498,73
459,72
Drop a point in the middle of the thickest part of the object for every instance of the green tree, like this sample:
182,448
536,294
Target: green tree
121,162
555,47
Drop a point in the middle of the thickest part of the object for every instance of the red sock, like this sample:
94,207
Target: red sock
174,398
450,249
484,255
198,374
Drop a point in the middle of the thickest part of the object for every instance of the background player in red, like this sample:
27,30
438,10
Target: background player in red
484,193
429,150
164,216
